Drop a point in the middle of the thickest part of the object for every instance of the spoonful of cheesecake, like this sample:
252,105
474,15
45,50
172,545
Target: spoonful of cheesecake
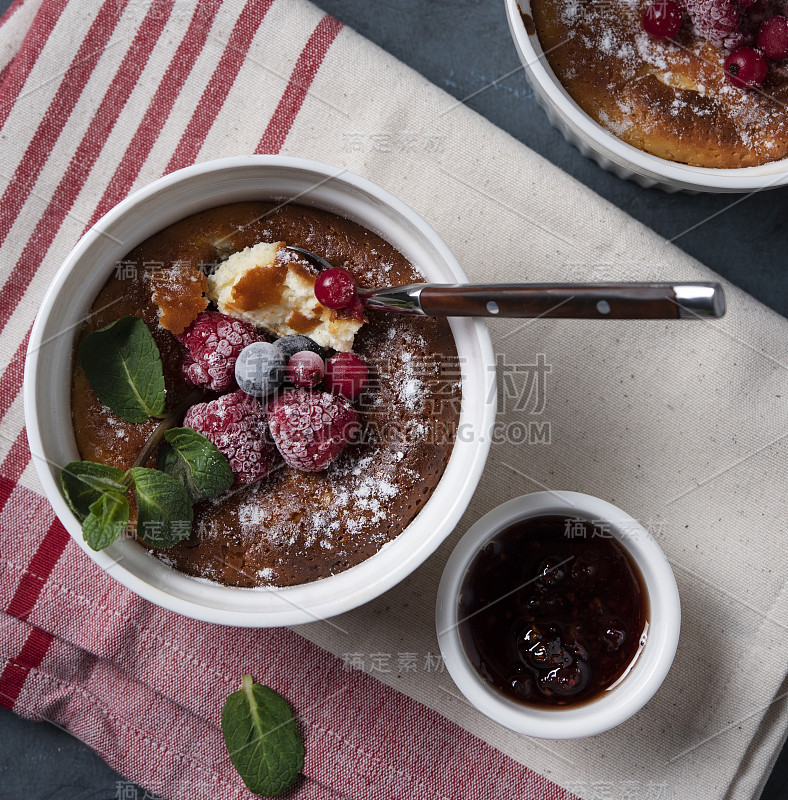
670,300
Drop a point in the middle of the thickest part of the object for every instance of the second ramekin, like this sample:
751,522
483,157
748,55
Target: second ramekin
646,673
606,149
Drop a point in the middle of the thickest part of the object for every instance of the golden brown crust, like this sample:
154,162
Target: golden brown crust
671,100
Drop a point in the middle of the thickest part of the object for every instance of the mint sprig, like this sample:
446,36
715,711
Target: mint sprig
196,462
107,520
96,493
84,482
123,366
262,738
164,510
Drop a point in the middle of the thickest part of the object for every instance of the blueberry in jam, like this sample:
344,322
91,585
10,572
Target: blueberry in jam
552,611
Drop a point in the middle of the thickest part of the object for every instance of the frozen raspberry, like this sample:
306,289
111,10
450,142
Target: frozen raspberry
718,21
662,19
236,424
213,342
746,68
311,428
773,38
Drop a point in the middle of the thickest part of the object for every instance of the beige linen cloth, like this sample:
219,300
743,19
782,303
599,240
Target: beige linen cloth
680,424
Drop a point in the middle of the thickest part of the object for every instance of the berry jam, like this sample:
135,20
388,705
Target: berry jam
552,611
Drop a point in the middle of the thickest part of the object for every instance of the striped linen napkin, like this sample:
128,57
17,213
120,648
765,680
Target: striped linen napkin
682,425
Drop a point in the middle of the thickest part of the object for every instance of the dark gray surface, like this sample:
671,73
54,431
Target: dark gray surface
464,47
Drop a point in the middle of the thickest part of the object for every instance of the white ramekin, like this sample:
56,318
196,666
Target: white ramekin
606,149
48,378
649,669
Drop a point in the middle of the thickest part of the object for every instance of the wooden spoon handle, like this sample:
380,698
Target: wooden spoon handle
576,301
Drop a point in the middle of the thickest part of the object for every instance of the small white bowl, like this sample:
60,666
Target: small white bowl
149,210
606,149
646,673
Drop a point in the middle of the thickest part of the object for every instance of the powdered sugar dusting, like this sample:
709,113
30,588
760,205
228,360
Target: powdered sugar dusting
672,99
410,385
117,426
360,498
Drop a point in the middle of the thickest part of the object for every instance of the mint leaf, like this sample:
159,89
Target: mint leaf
107,519
196,462
164,511
124,368
262,738
84,482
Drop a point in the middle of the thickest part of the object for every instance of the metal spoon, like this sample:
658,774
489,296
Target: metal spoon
566,300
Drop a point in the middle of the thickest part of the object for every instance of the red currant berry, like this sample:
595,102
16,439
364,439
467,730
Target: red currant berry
745,68
335,288
305,369
773,38
662,19
347,374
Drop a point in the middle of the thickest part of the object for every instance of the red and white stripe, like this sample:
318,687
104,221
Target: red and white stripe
150,89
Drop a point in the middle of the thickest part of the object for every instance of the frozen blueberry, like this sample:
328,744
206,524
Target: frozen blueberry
260,369
295,343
